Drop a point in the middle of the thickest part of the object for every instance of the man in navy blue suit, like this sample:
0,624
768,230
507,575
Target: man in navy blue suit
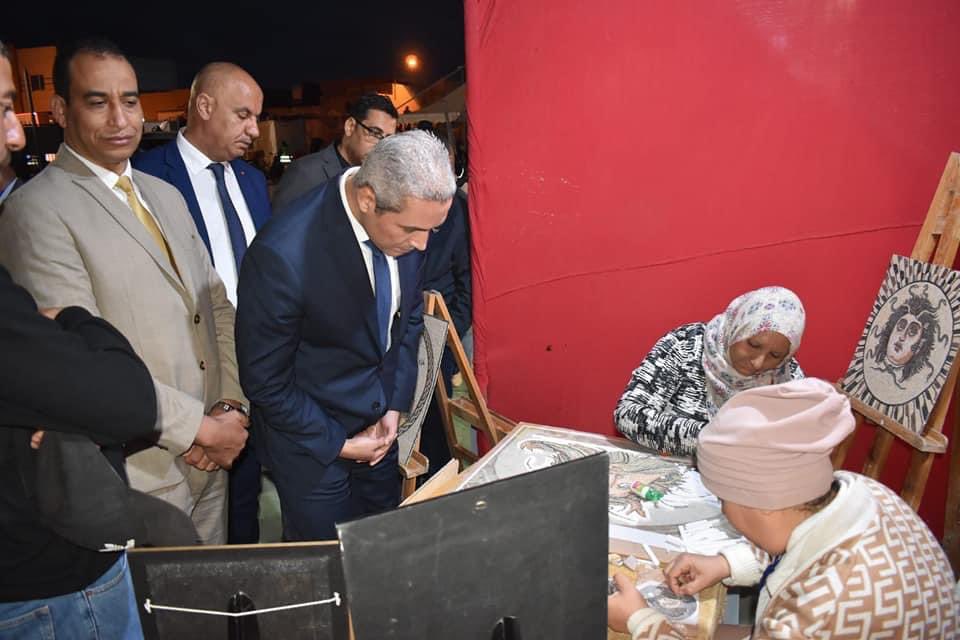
229,202
328,326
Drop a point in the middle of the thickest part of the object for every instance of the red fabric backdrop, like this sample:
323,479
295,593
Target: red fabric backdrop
637,164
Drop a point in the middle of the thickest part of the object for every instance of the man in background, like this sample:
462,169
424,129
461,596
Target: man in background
369,120
91,232
446,270
228,201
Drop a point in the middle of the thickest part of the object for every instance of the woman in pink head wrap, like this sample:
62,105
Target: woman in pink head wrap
697,367
836,555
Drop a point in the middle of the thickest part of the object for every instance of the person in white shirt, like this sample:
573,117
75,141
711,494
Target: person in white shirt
228,201
89,231
330,318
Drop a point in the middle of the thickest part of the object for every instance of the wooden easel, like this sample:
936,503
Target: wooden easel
416,466
937,243
473,408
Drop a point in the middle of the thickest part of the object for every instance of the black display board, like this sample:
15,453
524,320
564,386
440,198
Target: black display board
268,575
532,548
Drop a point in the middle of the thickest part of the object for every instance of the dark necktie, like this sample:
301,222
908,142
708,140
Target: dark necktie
238,241
383,291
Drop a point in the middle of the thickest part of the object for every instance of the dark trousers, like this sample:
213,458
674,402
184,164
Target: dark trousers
243,527
314,497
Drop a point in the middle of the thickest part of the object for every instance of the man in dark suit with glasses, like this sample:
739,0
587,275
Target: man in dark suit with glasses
369,120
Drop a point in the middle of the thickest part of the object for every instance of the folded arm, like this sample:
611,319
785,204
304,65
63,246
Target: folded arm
76,373
644,412
42,255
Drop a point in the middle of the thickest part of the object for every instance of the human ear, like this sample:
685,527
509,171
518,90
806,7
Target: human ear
366,199
59,108
205,105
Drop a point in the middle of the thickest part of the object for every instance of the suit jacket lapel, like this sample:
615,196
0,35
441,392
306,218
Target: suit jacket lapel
258,207
331,163
172,231
178,176
408,266
342,245
86,180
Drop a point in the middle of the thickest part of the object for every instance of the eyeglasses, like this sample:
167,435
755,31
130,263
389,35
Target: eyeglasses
374,132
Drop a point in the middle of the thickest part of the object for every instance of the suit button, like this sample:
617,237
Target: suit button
196,319
203,365
375,406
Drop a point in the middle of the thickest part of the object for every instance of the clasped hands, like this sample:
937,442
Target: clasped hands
689,573
373,443
220,439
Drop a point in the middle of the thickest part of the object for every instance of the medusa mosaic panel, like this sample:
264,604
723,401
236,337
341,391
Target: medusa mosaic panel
909,343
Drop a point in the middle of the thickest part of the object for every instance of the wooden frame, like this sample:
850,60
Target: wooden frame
938,242
444,481
415,467
712,600
472,409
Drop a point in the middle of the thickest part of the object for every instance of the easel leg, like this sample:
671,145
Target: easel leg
916,481
839,455
878,454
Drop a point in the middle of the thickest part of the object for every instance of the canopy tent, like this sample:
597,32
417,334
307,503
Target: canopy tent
448,108
636,168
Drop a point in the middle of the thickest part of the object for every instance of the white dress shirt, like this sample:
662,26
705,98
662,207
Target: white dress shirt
367,253
111,179
205,188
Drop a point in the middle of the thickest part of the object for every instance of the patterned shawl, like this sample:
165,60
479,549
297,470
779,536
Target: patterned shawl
767,309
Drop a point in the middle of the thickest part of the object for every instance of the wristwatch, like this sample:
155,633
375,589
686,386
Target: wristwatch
226,406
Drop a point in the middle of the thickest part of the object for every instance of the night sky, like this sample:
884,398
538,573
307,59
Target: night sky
280,43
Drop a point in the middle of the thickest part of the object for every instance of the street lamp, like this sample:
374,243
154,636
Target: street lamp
411,62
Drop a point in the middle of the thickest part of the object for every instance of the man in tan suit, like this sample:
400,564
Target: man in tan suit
91,232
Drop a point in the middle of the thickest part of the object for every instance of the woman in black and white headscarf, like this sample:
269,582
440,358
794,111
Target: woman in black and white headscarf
695,368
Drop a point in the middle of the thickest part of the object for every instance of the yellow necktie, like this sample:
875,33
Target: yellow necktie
145,218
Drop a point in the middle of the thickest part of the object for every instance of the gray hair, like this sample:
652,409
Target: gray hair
414,164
